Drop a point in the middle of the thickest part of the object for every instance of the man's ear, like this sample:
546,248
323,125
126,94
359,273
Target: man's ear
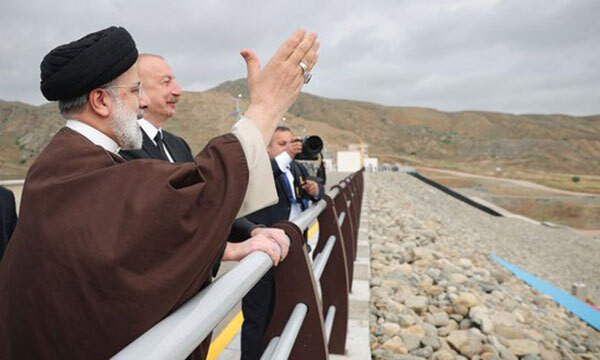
100,102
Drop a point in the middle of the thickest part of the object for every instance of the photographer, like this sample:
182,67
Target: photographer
299,186
312,157
295,189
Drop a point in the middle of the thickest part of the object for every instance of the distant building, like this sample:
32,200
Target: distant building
348,161
328,164
355,158
360,147
370,164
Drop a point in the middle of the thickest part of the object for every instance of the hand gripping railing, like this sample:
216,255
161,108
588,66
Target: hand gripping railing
306,323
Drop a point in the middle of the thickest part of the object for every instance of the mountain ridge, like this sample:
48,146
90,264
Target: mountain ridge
477,141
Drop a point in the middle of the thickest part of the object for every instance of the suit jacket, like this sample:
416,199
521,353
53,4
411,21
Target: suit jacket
281,211
8,217
179,149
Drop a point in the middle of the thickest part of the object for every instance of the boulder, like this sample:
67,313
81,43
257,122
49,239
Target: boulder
438,319
432,341
395,345
442,355
458,278
466,299
411,341
521,347
391,329
417,303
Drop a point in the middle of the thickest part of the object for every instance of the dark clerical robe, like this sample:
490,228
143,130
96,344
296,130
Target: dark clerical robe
105,248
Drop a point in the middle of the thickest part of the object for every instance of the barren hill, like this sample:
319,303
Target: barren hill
545,148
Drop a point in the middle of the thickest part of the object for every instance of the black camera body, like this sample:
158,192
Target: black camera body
311,148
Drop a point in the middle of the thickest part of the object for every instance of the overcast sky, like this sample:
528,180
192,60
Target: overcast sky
517,56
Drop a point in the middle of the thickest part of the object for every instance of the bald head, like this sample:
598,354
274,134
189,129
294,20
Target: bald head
160,86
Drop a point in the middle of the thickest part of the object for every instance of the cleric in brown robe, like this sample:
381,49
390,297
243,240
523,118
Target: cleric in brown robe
105,248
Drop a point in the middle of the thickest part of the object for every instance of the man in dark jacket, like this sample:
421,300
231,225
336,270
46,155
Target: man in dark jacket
295,189
164,91
8,217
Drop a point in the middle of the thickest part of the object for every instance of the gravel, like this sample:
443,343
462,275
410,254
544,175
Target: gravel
436,293
557,255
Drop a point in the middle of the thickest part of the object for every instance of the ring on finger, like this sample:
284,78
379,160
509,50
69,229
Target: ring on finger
307,76
304,67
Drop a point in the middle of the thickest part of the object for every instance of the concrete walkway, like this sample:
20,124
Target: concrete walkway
357,342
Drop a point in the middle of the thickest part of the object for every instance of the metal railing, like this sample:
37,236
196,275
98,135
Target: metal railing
310,316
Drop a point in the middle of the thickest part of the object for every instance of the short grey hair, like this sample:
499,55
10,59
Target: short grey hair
146,55
68,107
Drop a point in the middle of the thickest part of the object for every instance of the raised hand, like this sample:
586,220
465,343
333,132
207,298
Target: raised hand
294,147
275,87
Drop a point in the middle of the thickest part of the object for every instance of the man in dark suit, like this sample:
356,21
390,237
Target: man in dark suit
295,189
8,217
163,91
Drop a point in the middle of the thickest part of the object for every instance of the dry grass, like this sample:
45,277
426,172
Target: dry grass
569,210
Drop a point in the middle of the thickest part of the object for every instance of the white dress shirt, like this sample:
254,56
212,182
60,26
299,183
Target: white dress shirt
94,135
151,131
284,161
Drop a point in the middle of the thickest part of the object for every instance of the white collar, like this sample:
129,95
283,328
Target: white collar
283,161
94,135
148,128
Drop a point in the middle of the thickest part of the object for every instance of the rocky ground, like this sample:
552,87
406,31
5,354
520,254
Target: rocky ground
436,293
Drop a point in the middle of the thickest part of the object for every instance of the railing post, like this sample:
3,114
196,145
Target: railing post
334,280
294,283
351,213
341,205
360,185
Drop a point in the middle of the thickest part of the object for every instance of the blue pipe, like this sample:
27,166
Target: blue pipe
570,302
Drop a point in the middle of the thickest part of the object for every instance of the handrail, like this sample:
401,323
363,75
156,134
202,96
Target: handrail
341,219
290,332
329,321
309,215
268,353
333,193
176,336
12,182
322,257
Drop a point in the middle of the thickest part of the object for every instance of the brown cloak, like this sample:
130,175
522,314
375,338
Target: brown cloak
104,248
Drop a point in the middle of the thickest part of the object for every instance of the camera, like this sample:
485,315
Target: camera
311,148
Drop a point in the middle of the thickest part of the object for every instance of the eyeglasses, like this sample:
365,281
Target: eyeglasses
137,88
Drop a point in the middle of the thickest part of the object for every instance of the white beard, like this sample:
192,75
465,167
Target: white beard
125,127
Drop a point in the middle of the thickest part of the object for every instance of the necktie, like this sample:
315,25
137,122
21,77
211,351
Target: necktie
289,190
161,146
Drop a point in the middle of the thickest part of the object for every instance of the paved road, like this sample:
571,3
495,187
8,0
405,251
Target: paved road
524,183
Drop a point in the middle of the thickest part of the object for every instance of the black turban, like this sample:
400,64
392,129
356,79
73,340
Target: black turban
78,67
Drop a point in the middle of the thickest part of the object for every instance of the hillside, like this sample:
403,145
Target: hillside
546,148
